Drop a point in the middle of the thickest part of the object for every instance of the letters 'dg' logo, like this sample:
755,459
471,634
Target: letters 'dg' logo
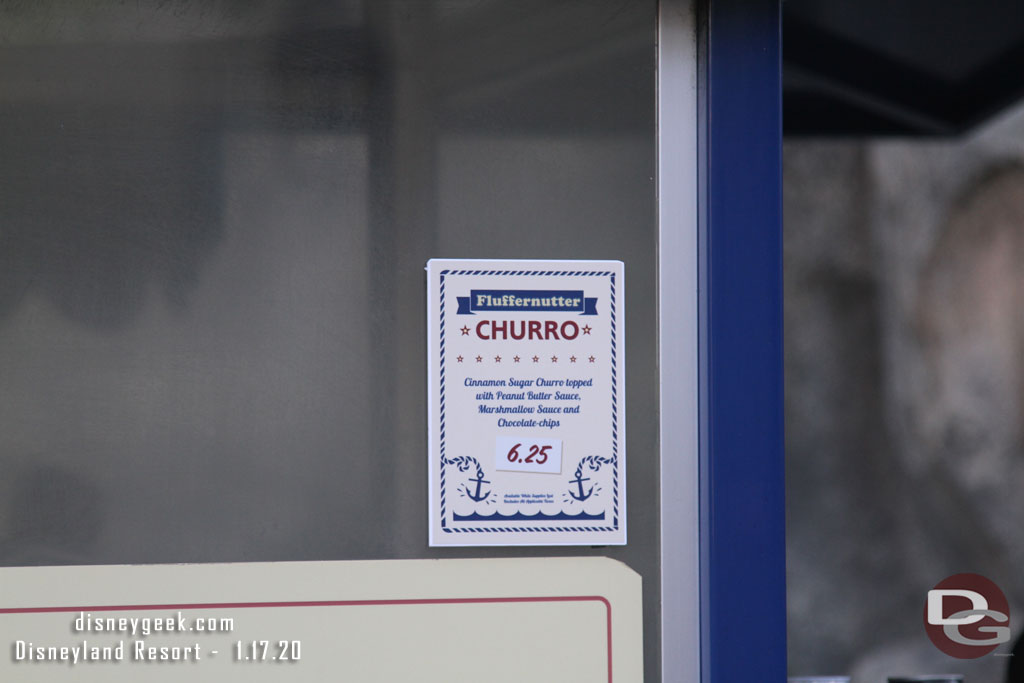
967,616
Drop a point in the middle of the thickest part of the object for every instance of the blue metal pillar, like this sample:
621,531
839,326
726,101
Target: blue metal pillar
743,581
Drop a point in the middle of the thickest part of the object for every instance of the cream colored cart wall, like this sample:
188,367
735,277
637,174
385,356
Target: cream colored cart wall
544,620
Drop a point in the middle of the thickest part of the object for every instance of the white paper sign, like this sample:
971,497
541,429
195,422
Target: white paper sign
527,414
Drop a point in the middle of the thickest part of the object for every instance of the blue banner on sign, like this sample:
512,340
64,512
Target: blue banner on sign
551,301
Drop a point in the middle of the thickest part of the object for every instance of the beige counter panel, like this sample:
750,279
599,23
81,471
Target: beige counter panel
559,620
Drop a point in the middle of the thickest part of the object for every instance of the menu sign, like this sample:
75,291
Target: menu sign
527,421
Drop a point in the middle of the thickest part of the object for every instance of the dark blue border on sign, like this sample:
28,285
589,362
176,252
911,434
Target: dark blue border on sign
614,416
743,579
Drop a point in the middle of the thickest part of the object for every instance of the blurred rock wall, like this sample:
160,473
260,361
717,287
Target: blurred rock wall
904,362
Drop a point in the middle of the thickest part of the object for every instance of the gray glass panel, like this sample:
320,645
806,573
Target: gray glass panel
214,219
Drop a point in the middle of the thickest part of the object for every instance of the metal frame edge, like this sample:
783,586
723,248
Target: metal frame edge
677,339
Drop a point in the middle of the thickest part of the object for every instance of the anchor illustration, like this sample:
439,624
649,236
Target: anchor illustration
579,482
593,463
479,481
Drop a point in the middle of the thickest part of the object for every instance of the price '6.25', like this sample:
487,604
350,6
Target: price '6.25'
528,454
538,453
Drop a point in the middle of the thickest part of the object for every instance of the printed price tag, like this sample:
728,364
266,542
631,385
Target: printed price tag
528,454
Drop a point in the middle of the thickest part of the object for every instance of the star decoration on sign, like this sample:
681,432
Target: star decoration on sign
497,359
572,359
554,359
515,359
586,329
479,359
465,330
459,359
591,359
536,359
